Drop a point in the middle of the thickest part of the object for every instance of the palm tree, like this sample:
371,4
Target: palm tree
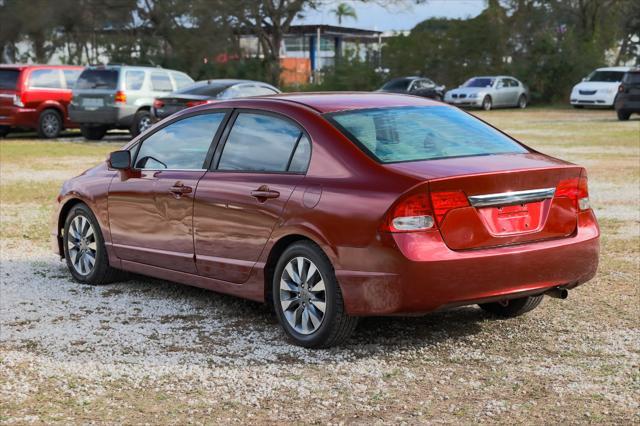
343,10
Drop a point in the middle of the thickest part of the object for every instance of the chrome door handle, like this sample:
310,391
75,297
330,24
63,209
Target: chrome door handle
264,193
179,189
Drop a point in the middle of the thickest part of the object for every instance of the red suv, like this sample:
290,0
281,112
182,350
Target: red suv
36,97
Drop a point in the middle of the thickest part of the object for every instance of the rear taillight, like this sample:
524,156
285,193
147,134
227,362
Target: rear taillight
195,103
158,103
447,200
121,97
411,213
17,101
577,190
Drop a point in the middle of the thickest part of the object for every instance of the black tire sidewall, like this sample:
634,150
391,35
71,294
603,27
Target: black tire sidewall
102,262
41,131
487,101
135,128
522,102
313,253
93,133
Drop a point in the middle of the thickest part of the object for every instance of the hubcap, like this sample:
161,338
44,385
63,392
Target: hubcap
81,242
144,124
302,295
50,124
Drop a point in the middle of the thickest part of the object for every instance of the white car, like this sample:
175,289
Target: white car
489,92
599,88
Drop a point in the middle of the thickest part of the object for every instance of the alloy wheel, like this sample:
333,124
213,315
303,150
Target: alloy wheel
144,123
303,295
82,245
50,125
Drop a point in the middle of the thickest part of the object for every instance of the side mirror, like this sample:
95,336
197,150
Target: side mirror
120,160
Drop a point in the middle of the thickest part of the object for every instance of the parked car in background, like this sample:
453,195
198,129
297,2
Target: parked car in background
36,97
628,99
490,92
417,86
599,89
120,97
334,206
207,91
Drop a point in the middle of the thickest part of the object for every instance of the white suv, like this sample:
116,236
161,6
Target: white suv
599,88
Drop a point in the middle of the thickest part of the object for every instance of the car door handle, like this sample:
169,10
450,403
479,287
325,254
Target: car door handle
264,193
180,189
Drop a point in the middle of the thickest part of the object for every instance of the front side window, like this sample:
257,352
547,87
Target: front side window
180,145
133,80
46,79
160,82
399,134
261,143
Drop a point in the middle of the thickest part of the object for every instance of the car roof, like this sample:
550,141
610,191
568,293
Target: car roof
327,102
614,69
25,66
228,82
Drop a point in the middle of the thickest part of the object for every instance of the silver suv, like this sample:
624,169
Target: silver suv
120,97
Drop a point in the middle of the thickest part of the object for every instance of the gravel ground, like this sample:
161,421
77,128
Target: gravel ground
148,351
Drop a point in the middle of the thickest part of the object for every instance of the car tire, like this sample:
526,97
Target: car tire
578,106
49,124
487,103
298,298
522,102
623,115
514,307
141,122
4,131
93,133
84,249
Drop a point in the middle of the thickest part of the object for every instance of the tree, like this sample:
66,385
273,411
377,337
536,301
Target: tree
344,10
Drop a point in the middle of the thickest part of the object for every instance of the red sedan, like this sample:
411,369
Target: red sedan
332,207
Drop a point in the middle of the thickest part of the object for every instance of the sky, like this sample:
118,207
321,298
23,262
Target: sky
400,17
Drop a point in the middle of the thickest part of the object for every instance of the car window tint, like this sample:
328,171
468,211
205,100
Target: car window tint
632,78
399,134
70,77
180,145
160,82
9,79
49,79
182,80
133,80
259,142
300,159
512,82
98,79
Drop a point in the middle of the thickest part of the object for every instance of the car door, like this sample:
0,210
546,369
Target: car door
45,84
501,97
258,163
151,206
513,92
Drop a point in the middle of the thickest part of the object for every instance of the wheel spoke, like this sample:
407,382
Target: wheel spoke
287,303
316,317
92,246
292,274
311,272
320,305
318,287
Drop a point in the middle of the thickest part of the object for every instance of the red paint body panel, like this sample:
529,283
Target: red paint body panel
35,99
340,204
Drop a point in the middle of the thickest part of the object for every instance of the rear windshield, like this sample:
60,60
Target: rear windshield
632,78
606,76
479,82
9,79
204,89
402,134
98,79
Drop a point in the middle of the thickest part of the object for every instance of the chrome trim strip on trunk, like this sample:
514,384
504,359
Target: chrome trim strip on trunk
513,197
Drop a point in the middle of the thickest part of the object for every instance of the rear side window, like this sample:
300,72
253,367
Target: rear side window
98,79
70,77
133,80
261,143
160,82
401,134
182,80
9,79
180,145
46,79
256,91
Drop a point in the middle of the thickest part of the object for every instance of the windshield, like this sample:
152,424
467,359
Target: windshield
401,84
606,76
204,89
401,134
479,82
97,79
9,79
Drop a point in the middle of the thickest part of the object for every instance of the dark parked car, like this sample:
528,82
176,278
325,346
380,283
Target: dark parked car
206,91
417,86
36,97
334,206
628,98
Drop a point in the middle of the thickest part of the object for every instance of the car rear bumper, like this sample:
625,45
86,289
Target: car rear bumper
426,275
111,116
18,117
624,104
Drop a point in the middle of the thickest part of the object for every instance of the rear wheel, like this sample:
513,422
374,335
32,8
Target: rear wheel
141,122
514,307
49,124
578,106
307,298
623,115
84,249
522,102
487,103
93,133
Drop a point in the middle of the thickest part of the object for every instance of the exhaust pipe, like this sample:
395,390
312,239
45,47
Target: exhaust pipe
557,292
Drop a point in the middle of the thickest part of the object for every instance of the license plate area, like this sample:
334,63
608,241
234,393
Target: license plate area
92,103
515,219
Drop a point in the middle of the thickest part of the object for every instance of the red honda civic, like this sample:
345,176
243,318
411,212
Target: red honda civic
332,207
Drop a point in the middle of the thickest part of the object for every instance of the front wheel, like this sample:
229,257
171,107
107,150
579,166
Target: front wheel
522,102
512,308
84,249
487,103
623,115
49,124
307,298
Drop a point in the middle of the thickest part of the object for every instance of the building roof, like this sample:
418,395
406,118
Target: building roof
332,30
